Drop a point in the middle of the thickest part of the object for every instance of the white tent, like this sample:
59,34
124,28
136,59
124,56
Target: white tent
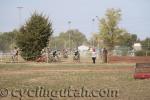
137,46
83,48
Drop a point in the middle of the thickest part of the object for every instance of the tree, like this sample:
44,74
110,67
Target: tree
76,38
110,33
146,44
7,40
127,39
34,36
57,43
94,40
134,38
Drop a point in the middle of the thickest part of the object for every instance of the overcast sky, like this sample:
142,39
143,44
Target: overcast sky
135,14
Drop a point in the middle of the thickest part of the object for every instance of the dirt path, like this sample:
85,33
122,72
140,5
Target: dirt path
27,71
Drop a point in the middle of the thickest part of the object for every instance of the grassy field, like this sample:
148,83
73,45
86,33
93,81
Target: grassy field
62,76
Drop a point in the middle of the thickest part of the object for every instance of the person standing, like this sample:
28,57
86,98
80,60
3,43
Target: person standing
94,56
15,54
105,52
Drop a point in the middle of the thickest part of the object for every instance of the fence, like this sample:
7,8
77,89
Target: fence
129,59
7,57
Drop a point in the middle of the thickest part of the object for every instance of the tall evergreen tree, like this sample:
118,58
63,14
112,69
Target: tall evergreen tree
34,36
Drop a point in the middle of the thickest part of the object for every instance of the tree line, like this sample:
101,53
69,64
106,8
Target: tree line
37,33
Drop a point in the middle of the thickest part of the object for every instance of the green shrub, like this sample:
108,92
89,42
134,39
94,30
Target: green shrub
142,53
148,53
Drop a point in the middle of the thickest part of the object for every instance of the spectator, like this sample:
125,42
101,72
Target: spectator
94,56
105,52
15,54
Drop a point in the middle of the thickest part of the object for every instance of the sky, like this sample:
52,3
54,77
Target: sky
135,14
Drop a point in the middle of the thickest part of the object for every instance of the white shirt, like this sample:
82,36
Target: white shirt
14,52
93,54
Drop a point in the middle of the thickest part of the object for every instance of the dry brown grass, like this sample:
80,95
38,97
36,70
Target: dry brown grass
60,76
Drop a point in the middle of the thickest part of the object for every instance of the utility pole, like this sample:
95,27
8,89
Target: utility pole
69,23
98,37
20,15
93,22
148,43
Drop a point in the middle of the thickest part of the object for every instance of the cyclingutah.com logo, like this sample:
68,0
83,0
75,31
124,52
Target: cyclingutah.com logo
52,94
